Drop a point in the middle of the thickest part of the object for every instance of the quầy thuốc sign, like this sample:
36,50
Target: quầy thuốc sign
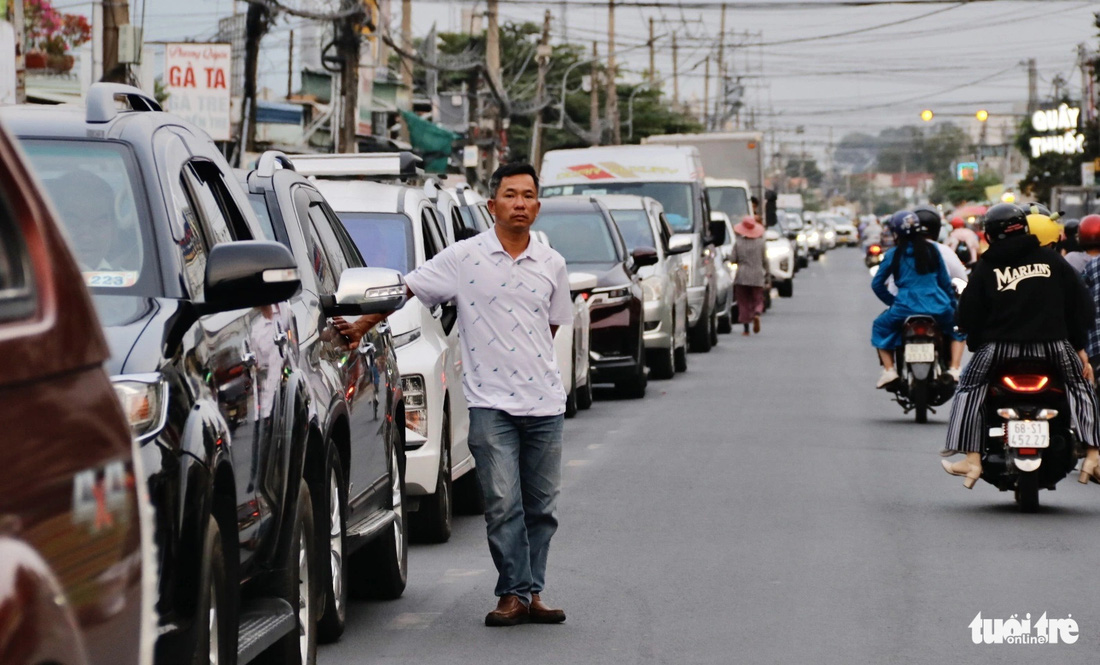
1058,131
197,78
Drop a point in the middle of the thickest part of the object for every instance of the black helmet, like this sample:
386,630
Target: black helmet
930,219
1004,220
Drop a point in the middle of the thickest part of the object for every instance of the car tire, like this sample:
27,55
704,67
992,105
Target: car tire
714,329
433,519
571,396
384,563
331,516
215,620
680,359
663,362
699,337
725,321
584,393
635,386
785,288
299,587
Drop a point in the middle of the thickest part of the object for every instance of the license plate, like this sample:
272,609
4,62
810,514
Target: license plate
1028,434
920,353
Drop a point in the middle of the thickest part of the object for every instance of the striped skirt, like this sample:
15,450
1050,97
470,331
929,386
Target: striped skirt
966,428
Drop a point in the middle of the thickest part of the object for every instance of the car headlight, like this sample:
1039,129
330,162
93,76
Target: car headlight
652,288
416,403
144,399
801,237
609,296
406,338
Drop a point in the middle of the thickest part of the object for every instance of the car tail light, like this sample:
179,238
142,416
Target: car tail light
874,249
1026,383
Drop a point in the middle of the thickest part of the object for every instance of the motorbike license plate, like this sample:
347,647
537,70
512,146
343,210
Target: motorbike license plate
1028,434
920,353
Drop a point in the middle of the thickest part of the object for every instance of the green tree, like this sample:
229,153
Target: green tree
805,168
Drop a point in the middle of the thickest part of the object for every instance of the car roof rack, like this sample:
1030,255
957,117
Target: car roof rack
272,160
373,165
106,100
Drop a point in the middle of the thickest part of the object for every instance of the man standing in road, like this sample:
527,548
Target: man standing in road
512,294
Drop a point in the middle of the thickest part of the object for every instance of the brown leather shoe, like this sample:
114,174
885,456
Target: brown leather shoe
543,613
510,611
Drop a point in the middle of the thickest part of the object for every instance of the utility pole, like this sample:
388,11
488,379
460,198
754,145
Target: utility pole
675,72
1032,86
706,95
18,24
347,46
116,13
406,64
652,61
256,23
594,77
289,67
543,56
720,96
612,83
492,61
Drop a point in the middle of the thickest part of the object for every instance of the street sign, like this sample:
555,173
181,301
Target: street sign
198,77
966,171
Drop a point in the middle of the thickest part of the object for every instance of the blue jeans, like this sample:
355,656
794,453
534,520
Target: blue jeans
519,465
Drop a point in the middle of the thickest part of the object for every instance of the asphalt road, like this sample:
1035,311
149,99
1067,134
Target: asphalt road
768,506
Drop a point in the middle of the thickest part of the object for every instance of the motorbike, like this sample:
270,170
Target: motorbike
873,255
1030,444
923,382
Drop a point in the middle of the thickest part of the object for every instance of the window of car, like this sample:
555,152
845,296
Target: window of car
332,249
258,201
385,240
429,225
635,229
677,198
352,257
456,223
580,237
731,200
223,221
315,251
17,293
98,194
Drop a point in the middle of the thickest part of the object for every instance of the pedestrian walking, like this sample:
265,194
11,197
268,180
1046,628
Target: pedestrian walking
750,255
512,294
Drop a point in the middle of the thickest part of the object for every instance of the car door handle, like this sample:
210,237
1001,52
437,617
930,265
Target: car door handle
366,349
437,311
248,359
280,339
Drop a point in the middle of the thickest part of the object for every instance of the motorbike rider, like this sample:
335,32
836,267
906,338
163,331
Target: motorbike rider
961,235
1088,238
1044,225
1085,247
1022,300
924,287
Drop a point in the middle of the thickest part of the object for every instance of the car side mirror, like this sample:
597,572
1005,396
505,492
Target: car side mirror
581,282
771,235
679,244
366,291
644,256
718,232
248,273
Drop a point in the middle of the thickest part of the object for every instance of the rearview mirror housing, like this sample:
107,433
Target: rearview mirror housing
248,273
644,256
366,291
718,232
679,244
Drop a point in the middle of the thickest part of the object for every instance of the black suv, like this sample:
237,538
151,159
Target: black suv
582,230
358,415
205,355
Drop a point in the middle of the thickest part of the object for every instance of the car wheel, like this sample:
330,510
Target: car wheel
680,359
332,538
584,393
385,562
433,519
663,362
571,396
786,288
714,329
635,386
298,586
216,638
725,320
699,337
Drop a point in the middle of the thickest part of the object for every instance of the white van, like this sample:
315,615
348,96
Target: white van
673,175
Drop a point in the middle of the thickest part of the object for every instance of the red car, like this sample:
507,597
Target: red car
71,537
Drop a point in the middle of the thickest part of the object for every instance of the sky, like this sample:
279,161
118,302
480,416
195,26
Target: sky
828,70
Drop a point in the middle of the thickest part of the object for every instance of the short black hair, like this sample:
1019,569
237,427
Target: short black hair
508,170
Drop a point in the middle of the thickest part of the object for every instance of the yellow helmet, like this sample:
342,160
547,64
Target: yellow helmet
1044,226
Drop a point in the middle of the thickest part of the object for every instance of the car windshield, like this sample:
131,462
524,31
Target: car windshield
675,197
94,187
635,229
580,237
730,200
384,239
794,223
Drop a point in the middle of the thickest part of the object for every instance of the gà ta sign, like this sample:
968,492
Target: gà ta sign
1060,127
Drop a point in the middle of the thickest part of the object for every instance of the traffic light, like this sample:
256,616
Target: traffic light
982,115
926,115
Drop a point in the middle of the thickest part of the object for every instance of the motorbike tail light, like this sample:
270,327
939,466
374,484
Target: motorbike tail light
919,329
1026,383
874,249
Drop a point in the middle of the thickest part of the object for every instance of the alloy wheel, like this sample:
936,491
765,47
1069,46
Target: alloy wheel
214,650
305,602
398,510
336,544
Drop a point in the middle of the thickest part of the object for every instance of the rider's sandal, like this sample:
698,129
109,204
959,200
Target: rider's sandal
1090,468
970,468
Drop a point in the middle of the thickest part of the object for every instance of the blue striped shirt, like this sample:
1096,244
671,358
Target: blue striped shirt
1092,281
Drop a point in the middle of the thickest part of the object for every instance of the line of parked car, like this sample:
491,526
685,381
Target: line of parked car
281,464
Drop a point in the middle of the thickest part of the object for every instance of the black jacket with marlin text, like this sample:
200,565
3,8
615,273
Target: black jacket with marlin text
1021,292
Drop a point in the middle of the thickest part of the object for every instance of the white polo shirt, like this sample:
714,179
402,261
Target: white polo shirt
505,310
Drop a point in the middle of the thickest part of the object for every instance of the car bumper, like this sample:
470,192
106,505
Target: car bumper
658,324
613,341
422,452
